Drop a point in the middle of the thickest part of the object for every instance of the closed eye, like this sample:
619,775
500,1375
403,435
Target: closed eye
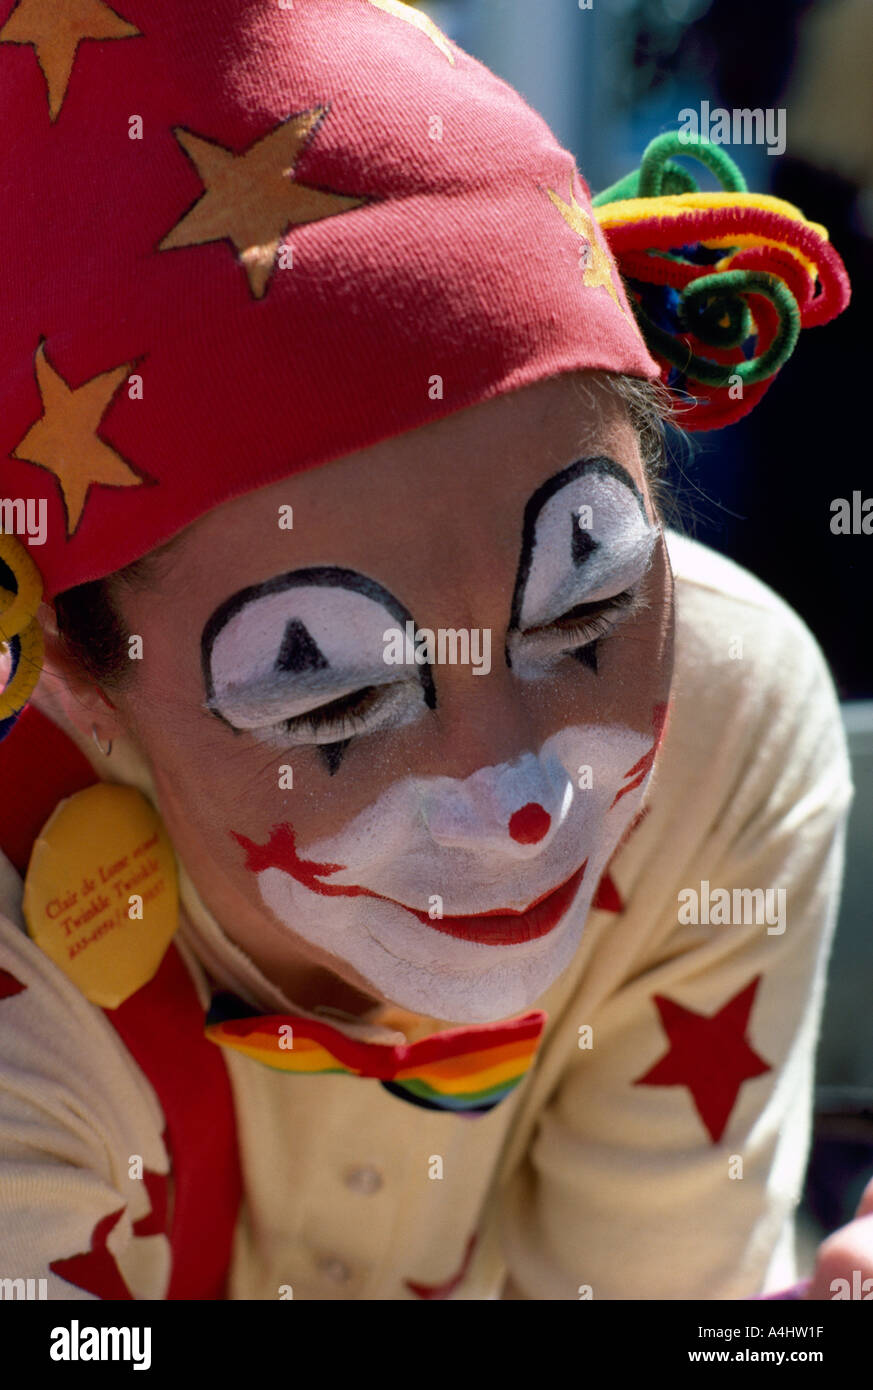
581,626
330,727
584,612
345,714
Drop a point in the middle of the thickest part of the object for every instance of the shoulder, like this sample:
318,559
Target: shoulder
709,585
753,699
59,1055
75,1112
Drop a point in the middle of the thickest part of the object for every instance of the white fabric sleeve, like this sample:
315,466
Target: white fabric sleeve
75,1114
628,1190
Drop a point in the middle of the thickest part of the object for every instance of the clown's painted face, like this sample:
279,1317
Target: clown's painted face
439,710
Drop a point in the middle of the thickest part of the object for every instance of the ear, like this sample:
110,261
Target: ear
82,700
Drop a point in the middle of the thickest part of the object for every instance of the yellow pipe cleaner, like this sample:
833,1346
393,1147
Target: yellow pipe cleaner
18,619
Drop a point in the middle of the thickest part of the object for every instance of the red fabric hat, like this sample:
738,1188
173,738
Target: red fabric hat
244,237
241,239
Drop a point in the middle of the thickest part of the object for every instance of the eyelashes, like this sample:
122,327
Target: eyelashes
590,621
331,727
349,711
346,715
576,634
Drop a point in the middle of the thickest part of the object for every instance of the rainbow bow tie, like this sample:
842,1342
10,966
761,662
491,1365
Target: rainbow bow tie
466,1070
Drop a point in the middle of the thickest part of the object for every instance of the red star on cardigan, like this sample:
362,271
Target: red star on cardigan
607,897
710,1056
95,1271
9,985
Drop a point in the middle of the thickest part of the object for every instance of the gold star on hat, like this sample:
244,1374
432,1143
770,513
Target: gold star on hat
598,270
65,441
251,199
420,21
55,28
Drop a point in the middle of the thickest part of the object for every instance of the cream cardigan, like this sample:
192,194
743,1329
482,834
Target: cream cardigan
587,1181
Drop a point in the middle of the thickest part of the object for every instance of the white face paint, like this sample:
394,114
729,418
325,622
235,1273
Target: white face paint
587,541
592,539
443,836
460,899
276,652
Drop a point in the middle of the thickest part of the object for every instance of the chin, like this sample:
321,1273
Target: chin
430,972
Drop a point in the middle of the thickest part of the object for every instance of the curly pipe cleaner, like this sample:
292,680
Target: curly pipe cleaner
721,283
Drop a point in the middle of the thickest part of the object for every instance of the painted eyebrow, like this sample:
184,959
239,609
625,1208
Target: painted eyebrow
600,465
325,576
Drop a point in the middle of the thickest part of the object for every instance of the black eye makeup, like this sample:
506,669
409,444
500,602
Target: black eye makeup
587,544
299,660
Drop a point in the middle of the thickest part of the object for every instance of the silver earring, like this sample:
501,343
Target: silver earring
105,751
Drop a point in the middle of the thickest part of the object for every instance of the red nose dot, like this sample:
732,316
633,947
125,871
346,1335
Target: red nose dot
529,823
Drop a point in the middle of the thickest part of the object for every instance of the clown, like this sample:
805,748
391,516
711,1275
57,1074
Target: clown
301,908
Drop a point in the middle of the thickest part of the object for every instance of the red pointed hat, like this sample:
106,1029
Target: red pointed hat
240,240
244,237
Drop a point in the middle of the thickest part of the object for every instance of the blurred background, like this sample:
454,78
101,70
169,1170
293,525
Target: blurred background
608,75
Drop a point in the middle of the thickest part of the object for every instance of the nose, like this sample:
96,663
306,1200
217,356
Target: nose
511,810
529,824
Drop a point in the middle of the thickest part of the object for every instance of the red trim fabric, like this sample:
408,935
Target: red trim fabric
39,766
161,1025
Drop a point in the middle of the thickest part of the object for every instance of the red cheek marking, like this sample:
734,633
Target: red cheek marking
659,721
529,824
640,770
280,852
503,926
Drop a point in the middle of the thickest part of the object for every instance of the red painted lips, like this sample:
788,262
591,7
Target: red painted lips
497,928
509,928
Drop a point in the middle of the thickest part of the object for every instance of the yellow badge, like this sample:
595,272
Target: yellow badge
101,895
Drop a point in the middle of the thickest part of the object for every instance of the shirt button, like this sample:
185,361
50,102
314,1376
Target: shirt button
364,1179
335,1269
